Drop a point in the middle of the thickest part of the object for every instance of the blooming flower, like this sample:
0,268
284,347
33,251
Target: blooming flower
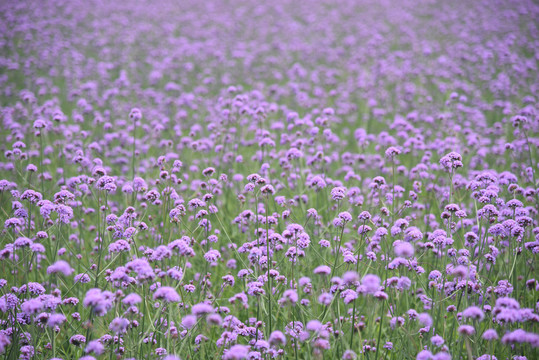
167,294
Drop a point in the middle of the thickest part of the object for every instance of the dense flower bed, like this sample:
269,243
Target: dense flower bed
254,180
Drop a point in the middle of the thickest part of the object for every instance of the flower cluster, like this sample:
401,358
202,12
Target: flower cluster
269,180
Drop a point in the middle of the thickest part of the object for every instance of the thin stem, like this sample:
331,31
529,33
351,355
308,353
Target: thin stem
269,267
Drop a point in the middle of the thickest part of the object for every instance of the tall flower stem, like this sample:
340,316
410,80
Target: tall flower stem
268,261
354,309
133,173
41,164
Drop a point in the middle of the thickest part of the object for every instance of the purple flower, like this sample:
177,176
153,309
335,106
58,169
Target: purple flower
338,193
27,352
277,338
171,357
487,357
425,319
55,320
424,355
202,309
135,114
99,301
404,249
119,325
77,340
313,325
61,267
95,347
32,306
236,352
349,295
214,319
371,283
22,242
212,255
349,278
490,334
392,151
442,356
167,294
82,278
4,342
437,340
189,321
132,299
467,330
289,296
473,312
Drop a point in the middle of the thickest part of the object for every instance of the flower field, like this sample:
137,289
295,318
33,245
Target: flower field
235,179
